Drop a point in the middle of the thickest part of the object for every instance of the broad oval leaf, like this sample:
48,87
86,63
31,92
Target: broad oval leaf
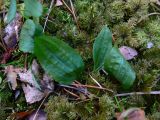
33,8
116,65
58,59
101,46
12,11
26,43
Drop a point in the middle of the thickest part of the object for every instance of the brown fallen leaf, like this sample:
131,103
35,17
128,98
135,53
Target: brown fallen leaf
12,30
40,115
27,77
131,114
128,53
20,115
158,2
35,87
11,76
32,94
47,83
58,3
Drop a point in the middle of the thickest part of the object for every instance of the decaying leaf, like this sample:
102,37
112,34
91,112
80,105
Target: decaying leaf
33,86
20,115
40,115
128,53
11,31
158,2
47,83
32,94
132,114
11,77
58,3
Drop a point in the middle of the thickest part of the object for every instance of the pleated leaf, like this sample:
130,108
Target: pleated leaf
58,59
12,11
101,46
117,66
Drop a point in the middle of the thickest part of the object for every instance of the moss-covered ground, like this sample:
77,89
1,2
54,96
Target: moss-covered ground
134,23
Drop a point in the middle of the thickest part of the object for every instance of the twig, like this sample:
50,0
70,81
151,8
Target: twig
74,88
74,14
138,93
81,85
50,8
72,11
71,93
90,86
34,118
95,81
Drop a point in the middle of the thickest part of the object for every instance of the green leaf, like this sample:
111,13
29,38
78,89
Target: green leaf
101,46
116,65
33,8
26,43
58,59
12,11
38,30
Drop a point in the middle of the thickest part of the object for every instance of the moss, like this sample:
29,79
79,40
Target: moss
59,108
5,101
101,108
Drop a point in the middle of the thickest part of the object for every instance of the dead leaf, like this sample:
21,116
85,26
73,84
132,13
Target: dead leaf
11,76
32,94
132,114
158,2
35,67
12,30
27,77
128,53
35,87
40,115
20,115
58,3
47,83
31,87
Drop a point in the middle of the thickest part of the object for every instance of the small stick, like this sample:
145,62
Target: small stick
80,85
50,8
74,88
138,93
90,86
74,14
72,93
95,81
34,118
72,11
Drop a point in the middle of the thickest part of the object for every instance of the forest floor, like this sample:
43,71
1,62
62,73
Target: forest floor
28,92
